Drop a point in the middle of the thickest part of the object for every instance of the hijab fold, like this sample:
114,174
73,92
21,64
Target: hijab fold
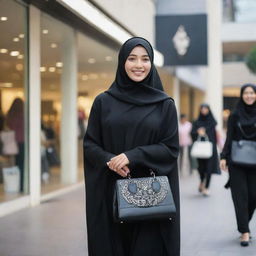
246,113
148,91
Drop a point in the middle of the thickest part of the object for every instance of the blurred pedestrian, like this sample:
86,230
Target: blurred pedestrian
15,121
132,127
204,128
242,126
185,141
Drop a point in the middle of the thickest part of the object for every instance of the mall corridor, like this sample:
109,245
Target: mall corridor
57,227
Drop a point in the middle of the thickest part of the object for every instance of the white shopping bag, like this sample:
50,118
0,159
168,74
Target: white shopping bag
201,149
11,177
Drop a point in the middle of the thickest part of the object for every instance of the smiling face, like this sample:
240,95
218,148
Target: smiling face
249,96
138,65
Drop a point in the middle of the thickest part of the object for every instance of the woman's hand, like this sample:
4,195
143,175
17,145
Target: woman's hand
119,164
201,131
223,165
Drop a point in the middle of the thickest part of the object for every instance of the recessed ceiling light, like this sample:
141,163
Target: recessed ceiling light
53,45
3,50
3,18
93,76
59,64
91,60
7,85
45,31
42,69
19,67
16,39
52,69
14,53
21,35
20,57
108,58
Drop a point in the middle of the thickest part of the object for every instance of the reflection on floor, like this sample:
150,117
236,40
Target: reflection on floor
53,184
55,180
4,197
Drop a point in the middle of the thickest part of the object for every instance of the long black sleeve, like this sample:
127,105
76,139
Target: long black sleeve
163,155
93,151
225,154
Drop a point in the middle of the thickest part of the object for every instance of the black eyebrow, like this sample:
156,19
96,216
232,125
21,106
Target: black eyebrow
136,55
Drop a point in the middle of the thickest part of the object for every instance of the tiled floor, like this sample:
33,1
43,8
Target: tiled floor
57,227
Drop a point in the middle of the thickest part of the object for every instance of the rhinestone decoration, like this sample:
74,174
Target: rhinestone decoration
145,196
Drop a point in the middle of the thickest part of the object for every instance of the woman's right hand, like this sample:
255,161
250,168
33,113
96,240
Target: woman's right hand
124,171
223,165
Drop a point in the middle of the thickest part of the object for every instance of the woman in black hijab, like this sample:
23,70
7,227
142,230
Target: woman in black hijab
204,126
132,127
242,178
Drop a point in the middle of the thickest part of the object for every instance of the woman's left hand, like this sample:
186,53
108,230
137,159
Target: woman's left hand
118,162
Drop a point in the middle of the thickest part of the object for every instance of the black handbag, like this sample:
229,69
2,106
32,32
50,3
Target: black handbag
137,199
243,152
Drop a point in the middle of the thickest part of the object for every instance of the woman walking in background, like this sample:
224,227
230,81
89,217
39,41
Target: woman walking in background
205,127
15,121
132,127
242,126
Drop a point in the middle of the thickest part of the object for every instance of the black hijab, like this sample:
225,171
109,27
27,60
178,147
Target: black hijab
246,113
148,91
207,121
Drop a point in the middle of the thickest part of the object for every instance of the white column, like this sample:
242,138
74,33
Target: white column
214,93
176,93
69,130
34,106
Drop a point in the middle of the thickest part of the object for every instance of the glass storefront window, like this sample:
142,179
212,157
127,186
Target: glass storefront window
52,39
96,71
13,74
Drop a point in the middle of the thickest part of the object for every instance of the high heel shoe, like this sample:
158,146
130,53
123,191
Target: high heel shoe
244,243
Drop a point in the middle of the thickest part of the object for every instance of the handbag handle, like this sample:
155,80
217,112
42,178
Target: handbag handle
244,134
205,136
152,173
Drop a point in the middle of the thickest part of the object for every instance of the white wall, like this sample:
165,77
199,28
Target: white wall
238,32
178,7
236,74
137,16
193,75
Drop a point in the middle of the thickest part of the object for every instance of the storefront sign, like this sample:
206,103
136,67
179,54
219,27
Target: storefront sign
182,39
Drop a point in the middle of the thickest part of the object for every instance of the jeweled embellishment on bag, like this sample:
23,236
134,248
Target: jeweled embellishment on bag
144,192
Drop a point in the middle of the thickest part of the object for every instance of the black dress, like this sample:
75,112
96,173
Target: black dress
242,179
148,135
207,167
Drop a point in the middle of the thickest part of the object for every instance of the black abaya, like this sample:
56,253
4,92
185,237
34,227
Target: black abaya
148,135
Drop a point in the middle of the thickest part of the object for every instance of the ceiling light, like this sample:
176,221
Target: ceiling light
19,67
3,50
91,60
7,85
85,77
16,39
21,35
52,69
53,45
42,69
59,64
3,18
108,58
14,53
45,31
20,57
